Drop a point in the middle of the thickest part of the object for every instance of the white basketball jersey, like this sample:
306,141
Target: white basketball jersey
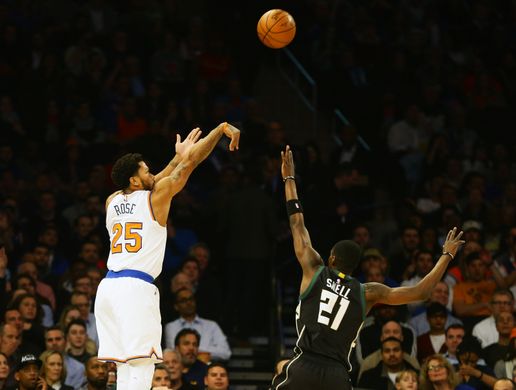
137,239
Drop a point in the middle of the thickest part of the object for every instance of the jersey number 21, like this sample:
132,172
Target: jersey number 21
327,306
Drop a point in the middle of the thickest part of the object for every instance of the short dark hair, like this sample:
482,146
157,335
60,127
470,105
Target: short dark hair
469,343
472,257
436,308
184,332
347,255
124,168
75,321
391,339
455,326
216,364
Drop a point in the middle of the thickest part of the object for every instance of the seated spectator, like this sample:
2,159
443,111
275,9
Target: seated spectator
96,374
27,283
42,289
439,294
26,373
217,377
437,373
83,302
383,375
213,345
476,375
53,370
504,384
471,297
68,314
454,335
372,257
161,377
55,341
4,370
172,360
13,317
187,344
389,329
179,281
433,341
31,313
407,380
505,262
423,264
367,341
497,351
76,338
485,330
506,368
456,273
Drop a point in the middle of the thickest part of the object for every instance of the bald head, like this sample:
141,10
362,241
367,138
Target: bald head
391,329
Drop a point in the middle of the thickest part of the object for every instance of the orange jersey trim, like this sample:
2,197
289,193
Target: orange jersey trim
112,359
150,206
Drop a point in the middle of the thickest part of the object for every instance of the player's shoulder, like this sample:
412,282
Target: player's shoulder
110,197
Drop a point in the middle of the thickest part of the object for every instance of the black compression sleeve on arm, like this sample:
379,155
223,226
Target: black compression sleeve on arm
294,206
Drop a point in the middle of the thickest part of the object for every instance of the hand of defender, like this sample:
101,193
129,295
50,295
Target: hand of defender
453,242
287,163
234,134
183,148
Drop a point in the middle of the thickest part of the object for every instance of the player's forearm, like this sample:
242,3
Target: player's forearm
204,147
426,285
291,194
169,168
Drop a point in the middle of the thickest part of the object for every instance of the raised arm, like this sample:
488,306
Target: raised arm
191,152
307,256
379,293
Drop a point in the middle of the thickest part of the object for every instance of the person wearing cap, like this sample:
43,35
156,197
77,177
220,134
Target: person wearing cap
472,231
433,341
27,374
498,350
476,375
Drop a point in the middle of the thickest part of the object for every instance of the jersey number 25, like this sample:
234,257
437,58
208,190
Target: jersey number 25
132,239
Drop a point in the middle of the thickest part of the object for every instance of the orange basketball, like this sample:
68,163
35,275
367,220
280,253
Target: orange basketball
276,28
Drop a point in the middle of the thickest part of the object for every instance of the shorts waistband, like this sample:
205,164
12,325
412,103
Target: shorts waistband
130,273
315,357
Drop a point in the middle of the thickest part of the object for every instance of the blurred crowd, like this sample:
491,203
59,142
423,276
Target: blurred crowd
430,85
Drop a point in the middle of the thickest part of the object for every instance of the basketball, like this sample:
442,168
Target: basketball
276,28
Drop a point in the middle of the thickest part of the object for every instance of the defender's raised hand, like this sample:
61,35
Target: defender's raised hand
453,242
232,133
183,148
287,163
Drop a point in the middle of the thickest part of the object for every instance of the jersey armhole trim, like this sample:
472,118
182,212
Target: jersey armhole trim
150,206
312,282
363,301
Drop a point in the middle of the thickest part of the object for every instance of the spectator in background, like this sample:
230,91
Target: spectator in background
31,314
96,374
27,373
407,380
213,344
440,294
187,344
423,262
76,339
504,384
472,373
4,370
433,342
454,335
42,289
401,258
161,376
172,360
498,350
217,377
83,302
485,330
438,373
53,370
506,367
55,341
383,375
